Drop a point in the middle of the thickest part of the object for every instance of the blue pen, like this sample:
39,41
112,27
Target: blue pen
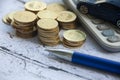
87,60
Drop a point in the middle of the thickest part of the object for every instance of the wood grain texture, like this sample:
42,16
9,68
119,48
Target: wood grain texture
26,59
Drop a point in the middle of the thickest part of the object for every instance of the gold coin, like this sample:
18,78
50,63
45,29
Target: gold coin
66,16
56,30
48,35
24,16
27,34
21,26
56,7
49,43
16,26
47,14
69,46
55,38
49,30
49,40
35,5
24,24
47,24
5,19
68,25
27,31
10,16
33,34
74,35
74,44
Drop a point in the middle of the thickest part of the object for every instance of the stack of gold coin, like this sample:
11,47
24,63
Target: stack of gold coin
47,14
35,6
67,20
56,7
73,38
24,23
48,32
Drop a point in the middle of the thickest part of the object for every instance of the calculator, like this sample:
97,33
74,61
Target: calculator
106,34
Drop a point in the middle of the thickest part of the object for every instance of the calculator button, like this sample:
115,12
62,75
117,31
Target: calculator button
108,33
102,27
113,39
97,21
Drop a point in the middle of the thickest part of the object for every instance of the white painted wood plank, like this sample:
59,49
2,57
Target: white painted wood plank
19,68
38,61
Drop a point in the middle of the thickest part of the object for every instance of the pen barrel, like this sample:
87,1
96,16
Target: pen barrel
96,62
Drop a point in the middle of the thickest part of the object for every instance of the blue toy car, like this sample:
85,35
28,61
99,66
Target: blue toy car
108,10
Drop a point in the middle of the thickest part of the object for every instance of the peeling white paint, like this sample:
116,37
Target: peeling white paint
35,64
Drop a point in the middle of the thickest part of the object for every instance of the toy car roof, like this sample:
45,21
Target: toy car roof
113,2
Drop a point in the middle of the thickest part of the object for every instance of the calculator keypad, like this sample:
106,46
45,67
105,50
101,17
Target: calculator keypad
106,30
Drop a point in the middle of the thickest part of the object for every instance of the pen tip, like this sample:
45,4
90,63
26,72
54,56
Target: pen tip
49,50
58,50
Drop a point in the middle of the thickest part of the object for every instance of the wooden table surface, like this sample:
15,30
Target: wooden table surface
26,59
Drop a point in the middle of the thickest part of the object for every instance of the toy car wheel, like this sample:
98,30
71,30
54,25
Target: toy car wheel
118,23
83,9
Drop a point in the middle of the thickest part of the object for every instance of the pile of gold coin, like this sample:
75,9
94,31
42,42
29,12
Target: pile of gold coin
73,38
24,23
48,31
67,20
45,20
